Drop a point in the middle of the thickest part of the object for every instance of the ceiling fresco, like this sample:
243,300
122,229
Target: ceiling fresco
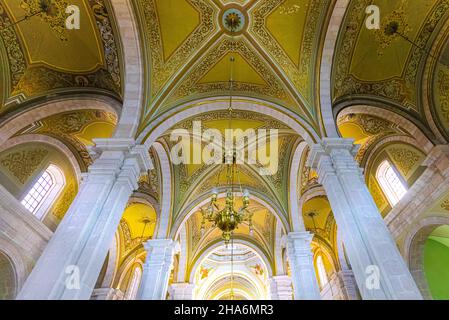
194,180
360,53
189,51
44,58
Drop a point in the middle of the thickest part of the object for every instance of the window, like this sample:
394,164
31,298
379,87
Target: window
390,182
322,274
41,196
134,283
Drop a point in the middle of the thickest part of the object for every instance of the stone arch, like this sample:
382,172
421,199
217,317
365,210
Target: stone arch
199,259
14,124
163,223
15,141
19,269
414,250
8,281
426,81
157,128
296,220
421,140
133,68
328,126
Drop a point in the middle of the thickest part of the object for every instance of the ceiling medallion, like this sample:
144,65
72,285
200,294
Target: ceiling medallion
233,20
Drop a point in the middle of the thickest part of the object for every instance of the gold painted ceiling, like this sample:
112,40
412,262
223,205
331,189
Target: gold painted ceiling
192,181
387,70
39,57
189,50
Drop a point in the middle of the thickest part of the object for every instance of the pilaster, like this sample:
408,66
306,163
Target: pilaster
378,267
157,268
303,274
281,288
181,291
72,260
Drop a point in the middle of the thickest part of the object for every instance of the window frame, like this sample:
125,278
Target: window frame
58,178
393,195
321,270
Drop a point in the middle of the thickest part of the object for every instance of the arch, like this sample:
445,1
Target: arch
426,81
413,130
133,69
11,125
414,250
29,138
21,269
162,124
297,222
8,281
218,283
211,248
328,127
380,145
163,224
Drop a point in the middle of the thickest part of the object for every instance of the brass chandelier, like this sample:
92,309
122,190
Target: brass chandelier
228,218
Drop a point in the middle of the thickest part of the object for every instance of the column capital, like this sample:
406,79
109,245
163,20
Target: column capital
128,146
299,236
329,146
181,291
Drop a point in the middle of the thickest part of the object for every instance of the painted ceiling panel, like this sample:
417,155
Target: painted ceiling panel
178,19
374,49
82,51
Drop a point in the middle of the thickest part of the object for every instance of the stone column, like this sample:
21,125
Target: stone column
378,267
69,266
281,288
107,294
157,269
181,291
303,274
348,285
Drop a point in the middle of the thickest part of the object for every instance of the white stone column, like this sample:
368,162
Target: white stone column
157,269
281,288
107,294
349,286
181,291
69,266
303,274
371,249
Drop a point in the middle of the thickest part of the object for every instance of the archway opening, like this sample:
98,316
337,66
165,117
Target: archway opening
8,283
233,272
436,260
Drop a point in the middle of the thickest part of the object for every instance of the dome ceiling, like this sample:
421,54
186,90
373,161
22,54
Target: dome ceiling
189,49
40,57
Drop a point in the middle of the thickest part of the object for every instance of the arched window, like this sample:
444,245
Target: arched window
390,183
43,193
133,284
322,274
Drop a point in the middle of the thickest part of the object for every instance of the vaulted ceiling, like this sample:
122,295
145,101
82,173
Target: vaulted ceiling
189,50
40,57
388,70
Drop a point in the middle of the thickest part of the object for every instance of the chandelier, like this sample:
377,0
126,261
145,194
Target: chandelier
228,218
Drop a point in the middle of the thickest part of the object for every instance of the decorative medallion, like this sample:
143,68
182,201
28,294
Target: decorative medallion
234,20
